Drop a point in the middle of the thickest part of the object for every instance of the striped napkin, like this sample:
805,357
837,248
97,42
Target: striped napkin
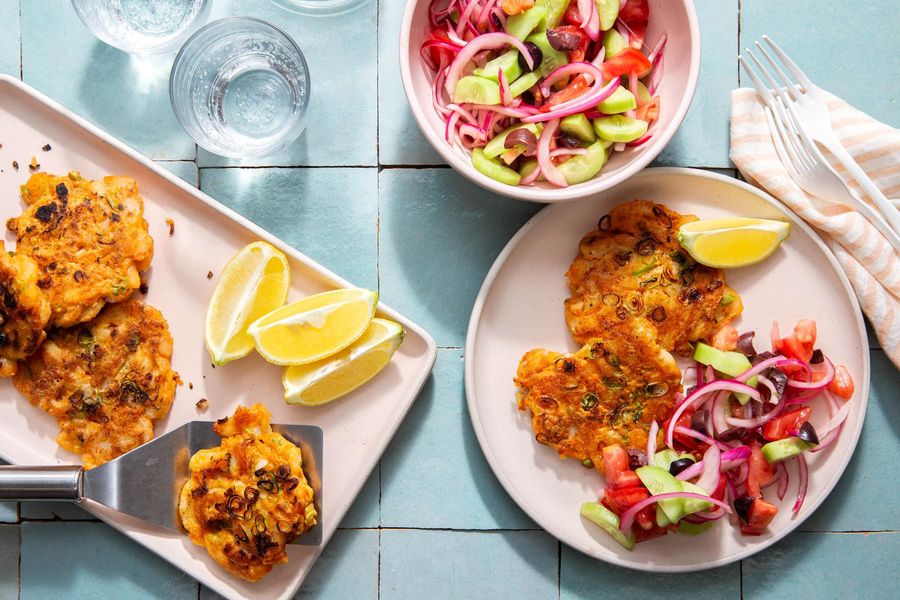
868,259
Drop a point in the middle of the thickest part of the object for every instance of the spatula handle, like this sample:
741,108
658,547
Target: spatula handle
41,483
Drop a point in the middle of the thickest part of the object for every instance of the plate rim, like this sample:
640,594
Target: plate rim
427,360
472,403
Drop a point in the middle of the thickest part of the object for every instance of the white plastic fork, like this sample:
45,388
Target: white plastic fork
807,106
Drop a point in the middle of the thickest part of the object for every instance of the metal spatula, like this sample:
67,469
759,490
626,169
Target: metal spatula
146,482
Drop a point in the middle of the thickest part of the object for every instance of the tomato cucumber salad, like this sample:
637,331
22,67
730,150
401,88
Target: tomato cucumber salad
726,449
543,89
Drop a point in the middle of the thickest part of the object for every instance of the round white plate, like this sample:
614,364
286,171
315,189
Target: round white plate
520,307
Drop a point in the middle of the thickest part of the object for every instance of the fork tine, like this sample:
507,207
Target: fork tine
761,88
786,81
790,64
787,121
778,135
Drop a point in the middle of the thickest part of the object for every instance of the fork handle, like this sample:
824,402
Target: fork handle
884,205
41,483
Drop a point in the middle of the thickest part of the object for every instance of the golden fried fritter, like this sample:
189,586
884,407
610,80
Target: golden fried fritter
633,266
24,311
249,497
606,393
106,381
89,239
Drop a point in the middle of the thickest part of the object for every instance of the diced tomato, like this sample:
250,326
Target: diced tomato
842,384
759,515
777,428
434,51
642,535
621,500
726,338
576,87
577,55
572,16
626,62
635,15
761,472
719,492
514,7
626,479
686,441
805,330
646,517
800,344
615,462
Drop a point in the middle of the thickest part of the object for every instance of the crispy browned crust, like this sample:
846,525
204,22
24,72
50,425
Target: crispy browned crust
88,238
106,382
248,498
632,266
24,310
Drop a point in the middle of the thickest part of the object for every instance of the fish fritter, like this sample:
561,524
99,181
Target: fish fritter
606,393
88,238
106,382
248,498
632,266
24,310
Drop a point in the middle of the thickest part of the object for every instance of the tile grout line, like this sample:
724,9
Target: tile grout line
740,8
558,570
741,578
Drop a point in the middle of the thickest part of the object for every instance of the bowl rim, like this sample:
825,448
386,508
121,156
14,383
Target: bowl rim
555,195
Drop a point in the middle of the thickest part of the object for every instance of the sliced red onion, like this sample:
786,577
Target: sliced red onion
656,74
773,392
783,479
628,515
729,385
568,152
837,418
742,474
487,41
567,70
598,60
451,126
702,437
759,421
531,177
581,104
482,21
651,440
803,471
465,15
463,113
426,56
590,18
640,141
658,47
720,405
816,385
507,111
505,93
624,31
549,170
436,92
712,460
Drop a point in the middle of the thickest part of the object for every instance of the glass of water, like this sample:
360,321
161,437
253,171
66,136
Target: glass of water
142,26
240,87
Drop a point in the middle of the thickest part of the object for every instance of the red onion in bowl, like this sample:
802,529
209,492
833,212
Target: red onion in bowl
487,41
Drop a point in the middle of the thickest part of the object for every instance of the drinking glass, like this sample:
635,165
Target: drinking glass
240,87
142,26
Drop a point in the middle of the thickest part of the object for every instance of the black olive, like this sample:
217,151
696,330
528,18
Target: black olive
562,40
677,466
742,507
522,137
568,141
537,56
808,433
817,357
745,343
636,458
735,433
498,24
699,419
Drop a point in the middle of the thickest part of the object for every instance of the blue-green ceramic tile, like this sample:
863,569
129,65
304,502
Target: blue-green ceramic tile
9,561
364,512
93,561
400,141
434,474
9,37
184,169
586,578
8,513
825,565
65,511
341,124
451,564
439,236
128,96
328,214
872,472
848,48
702,140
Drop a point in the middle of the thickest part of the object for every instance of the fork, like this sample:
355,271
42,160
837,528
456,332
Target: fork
809,116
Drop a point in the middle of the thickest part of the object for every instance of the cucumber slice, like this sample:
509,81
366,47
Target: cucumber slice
784,449
609,11
508,62
579,126
664,458
729,363
620,101
581,168
523,84
553,58
643,92
555,11
614,43
493,169
495,148
608,522
619,128
694,529
521,25
692,505
477,90
660,481
528,167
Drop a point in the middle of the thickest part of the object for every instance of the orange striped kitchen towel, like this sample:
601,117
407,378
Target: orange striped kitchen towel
868,259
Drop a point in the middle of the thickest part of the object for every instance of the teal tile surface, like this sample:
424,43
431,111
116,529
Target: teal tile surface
433,473
9,561
451,564
8,510
702,139
328,214
400,141
365,509
9,37
825,565
93,561
45,511
848,48
341,52
124,95
869,475
586,578
439,236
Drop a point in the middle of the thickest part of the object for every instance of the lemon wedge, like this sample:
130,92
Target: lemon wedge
254,282
314,327
735,242
326,380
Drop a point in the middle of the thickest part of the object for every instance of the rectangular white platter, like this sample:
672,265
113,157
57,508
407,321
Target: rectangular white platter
357,429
